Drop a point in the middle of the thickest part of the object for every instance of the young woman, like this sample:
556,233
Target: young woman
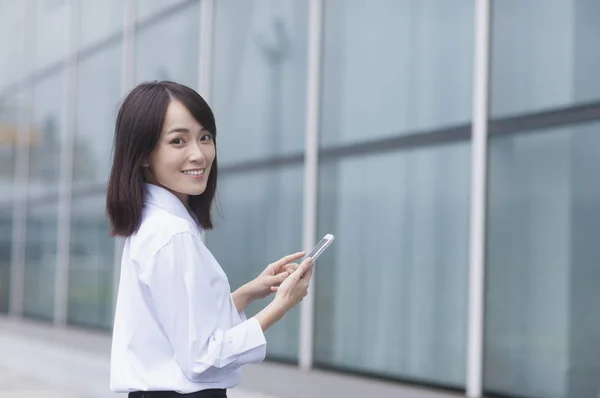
178,329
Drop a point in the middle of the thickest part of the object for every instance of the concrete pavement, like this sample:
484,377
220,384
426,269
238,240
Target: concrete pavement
34,367
17,385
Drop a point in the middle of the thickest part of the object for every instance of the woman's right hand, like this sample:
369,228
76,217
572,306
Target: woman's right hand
291,291
295,287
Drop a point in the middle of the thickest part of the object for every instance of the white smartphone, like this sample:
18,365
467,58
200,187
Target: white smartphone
320,247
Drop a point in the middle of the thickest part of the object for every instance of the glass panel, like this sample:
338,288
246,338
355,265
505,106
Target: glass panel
52,18
99,91
100,20
8,135
9,127
40,258
6,225
417,76
544,54
11,31
91,264
542,325
168,49
261,222
149,8
260,78
47,134
391,291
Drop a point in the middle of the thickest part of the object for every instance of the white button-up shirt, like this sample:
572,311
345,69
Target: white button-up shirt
176,326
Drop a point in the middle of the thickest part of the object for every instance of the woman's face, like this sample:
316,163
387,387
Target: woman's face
183,155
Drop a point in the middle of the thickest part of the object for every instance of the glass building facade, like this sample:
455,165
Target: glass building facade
387,88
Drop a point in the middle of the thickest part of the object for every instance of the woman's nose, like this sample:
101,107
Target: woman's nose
196,154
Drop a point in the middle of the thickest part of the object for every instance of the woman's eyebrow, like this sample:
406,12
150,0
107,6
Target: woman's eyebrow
179,130
183,130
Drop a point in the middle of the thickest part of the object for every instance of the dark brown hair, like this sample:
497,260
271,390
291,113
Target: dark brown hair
138,128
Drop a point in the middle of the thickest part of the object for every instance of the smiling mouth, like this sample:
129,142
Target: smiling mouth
194,173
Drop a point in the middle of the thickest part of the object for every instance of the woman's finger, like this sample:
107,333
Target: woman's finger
282,274
286,260
303,270
308,269
276,280
291,267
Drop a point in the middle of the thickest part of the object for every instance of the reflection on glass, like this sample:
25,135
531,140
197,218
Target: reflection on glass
97,104
100,20
409,71
391,290
46,135
544,55
260,78
168,49
91,264
542,276
261,222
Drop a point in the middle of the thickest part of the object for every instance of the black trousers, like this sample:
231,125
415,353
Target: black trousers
211,393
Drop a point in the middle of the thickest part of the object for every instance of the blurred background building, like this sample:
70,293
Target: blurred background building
394,110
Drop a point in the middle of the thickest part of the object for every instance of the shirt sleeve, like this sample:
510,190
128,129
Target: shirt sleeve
181,290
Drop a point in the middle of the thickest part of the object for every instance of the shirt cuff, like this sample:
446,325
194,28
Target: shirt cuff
251,340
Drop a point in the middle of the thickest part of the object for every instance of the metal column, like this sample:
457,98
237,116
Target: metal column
478,199
311,182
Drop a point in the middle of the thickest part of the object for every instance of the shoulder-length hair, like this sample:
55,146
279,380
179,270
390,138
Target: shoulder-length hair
138,128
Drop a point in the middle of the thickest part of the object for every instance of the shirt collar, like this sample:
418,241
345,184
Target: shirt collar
167,200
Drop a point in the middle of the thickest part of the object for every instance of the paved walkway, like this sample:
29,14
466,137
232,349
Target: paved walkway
18,385
34,366
37,359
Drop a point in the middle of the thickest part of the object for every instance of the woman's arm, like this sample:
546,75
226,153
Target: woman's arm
267,317
242,298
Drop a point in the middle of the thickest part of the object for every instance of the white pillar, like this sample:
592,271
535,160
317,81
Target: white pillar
313,96
478,200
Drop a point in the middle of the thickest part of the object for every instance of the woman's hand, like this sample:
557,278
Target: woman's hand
275,273
290,292
267,282
294,288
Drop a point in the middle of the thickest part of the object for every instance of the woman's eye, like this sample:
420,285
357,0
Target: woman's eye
206,137
177,141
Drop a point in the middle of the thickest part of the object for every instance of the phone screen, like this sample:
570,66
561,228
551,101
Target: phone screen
321,246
